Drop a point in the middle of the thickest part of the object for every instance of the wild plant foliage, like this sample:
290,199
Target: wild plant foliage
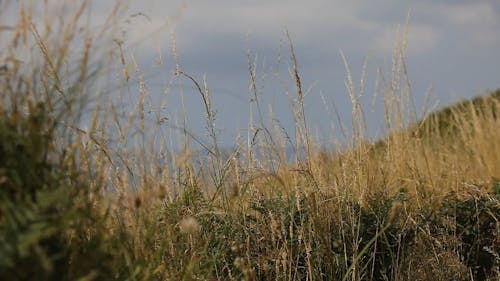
89,192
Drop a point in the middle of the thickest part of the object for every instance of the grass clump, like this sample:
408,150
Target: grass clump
48,223
472,219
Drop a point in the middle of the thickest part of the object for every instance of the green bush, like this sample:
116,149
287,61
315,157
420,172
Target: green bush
473,220
48,227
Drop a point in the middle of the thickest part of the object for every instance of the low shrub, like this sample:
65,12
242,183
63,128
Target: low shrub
49,228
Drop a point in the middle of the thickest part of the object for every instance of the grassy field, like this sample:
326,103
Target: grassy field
95,202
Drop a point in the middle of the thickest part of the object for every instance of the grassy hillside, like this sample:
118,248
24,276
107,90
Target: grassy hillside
95,202
462,134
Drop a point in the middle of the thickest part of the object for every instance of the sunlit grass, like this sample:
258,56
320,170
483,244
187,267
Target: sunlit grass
91,190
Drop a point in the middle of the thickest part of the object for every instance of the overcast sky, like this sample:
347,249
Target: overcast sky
452,51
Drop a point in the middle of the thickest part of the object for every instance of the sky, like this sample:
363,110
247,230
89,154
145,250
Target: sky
452,54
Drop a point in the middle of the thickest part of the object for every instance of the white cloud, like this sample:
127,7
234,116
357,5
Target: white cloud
356,25
471,14
421,38
476,23
265,19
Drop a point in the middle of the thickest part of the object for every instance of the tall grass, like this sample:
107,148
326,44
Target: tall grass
91,189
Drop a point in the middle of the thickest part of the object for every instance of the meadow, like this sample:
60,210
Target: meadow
110,200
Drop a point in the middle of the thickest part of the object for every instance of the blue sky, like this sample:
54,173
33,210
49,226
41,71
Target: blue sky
452,53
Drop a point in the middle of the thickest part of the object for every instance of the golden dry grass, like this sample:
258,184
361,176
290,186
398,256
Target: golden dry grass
425,197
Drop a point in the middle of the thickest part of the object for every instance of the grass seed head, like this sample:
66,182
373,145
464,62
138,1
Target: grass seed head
395,211
189,225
